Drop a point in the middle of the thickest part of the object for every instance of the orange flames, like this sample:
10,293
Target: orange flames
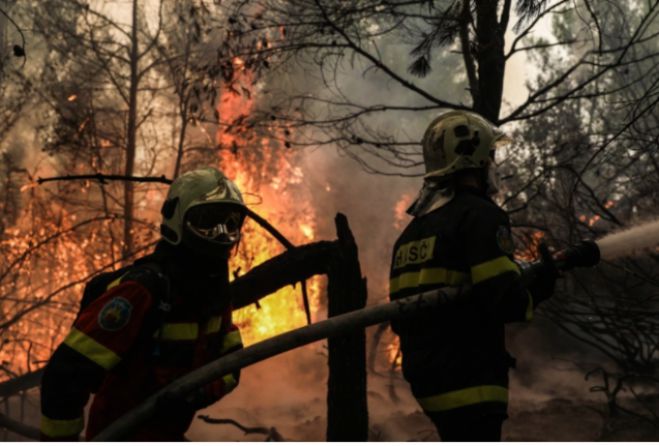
267,174
591,221
51,273
48,256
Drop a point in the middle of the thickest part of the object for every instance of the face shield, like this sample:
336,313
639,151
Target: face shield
216,223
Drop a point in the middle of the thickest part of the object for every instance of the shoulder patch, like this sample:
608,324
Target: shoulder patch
115,314
505,240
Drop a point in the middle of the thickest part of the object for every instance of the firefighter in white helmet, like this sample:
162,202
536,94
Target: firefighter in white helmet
455,357
143,326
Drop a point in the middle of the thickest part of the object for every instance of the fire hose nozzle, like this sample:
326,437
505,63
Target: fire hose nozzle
584,254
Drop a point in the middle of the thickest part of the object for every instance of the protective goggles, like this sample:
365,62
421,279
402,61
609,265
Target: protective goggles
215,222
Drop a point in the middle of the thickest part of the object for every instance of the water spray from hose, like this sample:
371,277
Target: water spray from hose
587,253
630,242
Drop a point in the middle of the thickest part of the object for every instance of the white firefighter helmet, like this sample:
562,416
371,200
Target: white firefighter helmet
458,140
204,208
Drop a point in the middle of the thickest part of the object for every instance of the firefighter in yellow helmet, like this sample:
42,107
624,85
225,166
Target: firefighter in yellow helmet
455,357
144,326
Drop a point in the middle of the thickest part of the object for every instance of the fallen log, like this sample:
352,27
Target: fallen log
338,325
288,268
21,383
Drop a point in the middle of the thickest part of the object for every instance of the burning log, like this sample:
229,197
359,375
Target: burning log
336,326
290,267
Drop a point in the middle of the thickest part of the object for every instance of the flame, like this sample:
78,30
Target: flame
528,252
36,267
393,353
591,221
47,257
261,167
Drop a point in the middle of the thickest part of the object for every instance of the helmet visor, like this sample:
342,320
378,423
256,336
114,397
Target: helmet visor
216,222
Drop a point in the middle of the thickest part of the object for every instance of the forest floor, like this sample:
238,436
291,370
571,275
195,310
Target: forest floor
549,401
288,393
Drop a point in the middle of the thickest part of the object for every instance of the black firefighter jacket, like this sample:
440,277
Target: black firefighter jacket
455,356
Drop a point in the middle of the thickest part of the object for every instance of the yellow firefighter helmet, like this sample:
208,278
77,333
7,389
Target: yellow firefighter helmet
458,140
203,209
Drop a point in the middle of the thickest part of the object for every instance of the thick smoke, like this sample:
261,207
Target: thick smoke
629,242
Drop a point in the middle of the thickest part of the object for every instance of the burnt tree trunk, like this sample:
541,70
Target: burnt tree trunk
347,411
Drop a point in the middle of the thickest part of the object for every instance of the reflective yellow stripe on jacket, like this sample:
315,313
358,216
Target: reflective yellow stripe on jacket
187,331
231,341
529,307
464,397
61,428
427,276
92,349
492,268
230,382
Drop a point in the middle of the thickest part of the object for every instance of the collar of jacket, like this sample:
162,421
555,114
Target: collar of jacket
432,196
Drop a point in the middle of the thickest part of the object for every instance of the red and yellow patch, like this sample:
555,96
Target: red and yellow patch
115,314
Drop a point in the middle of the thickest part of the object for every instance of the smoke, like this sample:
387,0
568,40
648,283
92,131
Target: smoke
631,241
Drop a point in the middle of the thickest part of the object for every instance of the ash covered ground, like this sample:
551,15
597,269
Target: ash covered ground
550,400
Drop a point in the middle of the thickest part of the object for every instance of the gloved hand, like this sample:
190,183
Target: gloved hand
545,273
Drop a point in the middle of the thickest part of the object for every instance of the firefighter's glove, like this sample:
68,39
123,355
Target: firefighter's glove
172,408
544,278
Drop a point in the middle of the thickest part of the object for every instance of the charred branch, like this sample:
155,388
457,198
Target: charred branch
271,433
103,178
293,266
21,383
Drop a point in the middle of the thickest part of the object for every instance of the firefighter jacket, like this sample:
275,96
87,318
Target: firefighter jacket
123,348
454,356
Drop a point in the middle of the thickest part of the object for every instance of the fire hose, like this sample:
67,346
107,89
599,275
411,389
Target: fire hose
583,255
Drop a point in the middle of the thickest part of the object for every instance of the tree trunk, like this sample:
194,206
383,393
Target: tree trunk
347,411
131,137
491,60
